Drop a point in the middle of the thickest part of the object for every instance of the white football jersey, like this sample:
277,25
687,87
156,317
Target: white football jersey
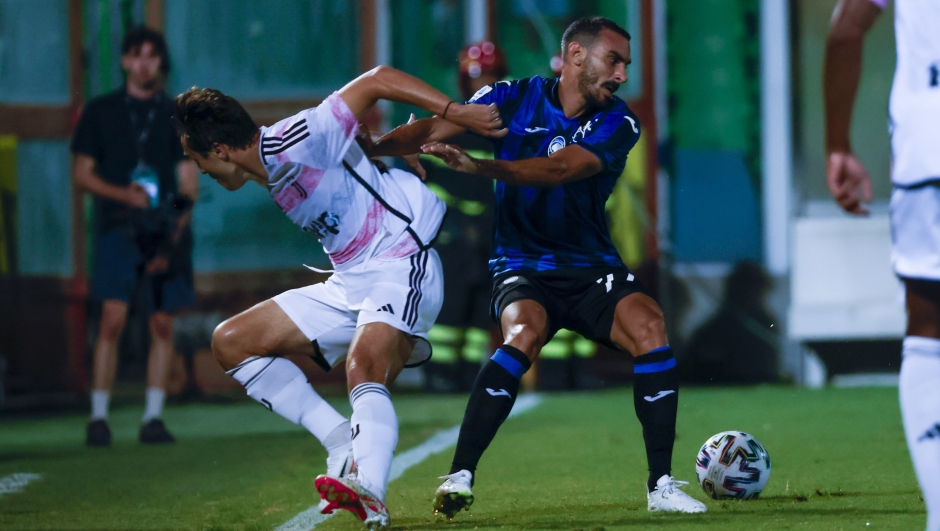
323,181
915,94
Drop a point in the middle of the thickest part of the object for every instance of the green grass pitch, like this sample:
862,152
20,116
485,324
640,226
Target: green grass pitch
575,462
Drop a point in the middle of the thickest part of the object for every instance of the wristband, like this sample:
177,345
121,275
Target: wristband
444,115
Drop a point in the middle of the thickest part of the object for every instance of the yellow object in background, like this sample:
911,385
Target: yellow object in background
7,203
626,207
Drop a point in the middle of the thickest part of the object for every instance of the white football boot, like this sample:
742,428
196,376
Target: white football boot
350,495
667,497
341,466
454,494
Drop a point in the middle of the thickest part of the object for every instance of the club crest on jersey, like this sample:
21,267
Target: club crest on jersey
324,225
557,143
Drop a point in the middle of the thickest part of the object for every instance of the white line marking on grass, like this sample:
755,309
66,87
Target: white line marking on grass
440,441
16,482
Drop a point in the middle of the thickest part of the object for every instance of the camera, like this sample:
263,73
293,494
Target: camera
154,227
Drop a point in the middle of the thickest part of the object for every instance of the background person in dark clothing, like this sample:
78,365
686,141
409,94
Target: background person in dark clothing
460,336
127,154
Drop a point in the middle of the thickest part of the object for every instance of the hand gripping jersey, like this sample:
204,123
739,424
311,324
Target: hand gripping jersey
323,181
915,94
542,228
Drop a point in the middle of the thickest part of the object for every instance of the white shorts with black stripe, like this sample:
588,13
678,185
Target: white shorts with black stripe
406,294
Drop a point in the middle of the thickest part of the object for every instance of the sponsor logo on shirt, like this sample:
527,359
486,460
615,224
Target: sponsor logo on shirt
324,225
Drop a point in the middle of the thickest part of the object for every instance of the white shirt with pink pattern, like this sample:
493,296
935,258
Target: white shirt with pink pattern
323,181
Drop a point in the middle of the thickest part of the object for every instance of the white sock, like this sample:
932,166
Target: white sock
339,441
919,388
374,435
99,404
282,387
154,404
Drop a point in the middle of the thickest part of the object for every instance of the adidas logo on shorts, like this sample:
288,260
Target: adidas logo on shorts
387,308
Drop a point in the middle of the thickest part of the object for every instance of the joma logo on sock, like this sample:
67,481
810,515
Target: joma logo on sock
658,395
355,431
501,392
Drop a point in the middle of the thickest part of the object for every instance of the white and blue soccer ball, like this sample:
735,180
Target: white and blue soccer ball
733,464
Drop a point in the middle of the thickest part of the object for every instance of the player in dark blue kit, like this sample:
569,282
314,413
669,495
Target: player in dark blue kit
554,265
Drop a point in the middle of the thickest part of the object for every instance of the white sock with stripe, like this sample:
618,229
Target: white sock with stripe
919,388
374,435
281,386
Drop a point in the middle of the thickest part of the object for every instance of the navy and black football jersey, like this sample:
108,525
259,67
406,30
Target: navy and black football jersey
542,228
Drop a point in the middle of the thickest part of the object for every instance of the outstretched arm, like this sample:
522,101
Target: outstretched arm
385,83
570,164
846,178
408,138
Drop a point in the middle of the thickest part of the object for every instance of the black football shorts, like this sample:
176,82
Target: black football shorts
581,300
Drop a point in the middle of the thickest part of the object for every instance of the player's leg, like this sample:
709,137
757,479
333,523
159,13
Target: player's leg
919,392
248,346
525,328
377,355
638,327
915,234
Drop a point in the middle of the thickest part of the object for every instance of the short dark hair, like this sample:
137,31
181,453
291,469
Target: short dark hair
205,117
585,31
136,37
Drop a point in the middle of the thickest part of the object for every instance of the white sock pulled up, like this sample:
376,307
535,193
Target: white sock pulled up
99,404
919,390
153,409
281,386
374,435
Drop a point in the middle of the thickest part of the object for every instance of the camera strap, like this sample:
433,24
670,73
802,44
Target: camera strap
142,130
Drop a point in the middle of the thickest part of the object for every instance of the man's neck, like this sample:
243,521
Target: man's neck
250,160
140,93
569,95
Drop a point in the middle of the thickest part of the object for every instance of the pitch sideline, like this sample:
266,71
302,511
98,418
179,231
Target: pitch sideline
16,482
440,441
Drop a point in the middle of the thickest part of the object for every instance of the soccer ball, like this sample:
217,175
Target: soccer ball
733,464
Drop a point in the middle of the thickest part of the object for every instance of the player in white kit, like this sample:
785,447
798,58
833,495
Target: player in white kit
915,201
377,227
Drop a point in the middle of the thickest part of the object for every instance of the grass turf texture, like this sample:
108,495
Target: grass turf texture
574,462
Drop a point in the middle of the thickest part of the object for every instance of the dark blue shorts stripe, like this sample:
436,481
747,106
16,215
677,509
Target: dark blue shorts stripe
647,368
509,363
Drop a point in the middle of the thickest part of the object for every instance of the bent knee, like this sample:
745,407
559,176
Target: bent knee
226,345
525,338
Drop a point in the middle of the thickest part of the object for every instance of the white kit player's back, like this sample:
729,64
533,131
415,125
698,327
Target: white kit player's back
323,181
915,93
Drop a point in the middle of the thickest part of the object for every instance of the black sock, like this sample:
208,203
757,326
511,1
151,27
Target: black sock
493,395
656,400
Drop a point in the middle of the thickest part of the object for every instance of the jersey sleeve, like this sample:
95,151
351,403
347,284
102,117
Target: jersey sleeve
610,138
318,137
502,93
87,138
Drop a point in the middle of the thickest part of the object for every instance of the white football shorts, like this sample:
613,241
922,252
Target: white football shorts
406,293
915,232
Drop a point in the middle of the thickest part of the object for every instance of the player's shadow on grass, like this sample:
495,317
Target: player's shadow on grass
640,518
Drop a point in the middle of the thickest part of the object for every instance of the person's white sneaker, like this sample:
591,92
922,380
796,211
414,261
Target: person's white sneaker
341,466
454,494
667,497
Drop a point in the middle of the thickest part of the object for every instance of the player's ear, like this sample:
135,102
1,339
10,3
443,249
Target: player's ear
576,53
221,151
